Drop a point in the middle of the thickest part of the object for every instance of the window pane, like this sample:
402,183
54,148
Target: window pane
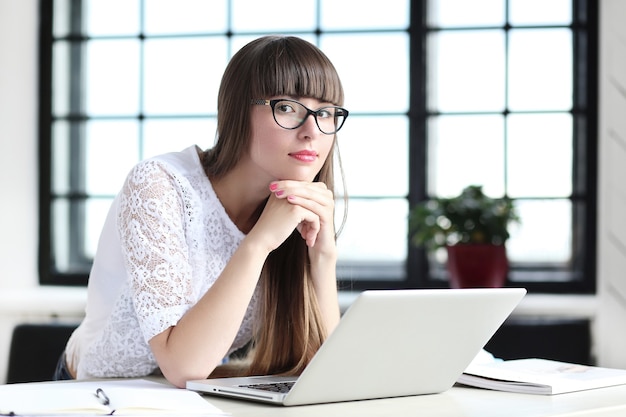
466,71
60,230
61,16
540,63
371,168
109,141
553,12
273,15
182,76
100,15
185,16
376,80
465,150
61,73
239,41
464,13
68,233
95,213
540,155
112,77
164,135
60,157
544,233
340,15
365,238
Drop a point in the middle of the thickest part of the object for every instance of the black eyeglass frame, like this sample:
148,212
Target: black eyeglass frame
272,103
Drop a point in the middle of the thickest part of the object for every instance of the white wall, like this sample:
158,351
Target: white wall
611,316
21,299
18,143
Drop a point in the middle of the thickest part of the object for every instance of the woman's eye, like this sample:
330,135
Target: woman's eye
324,113
285,108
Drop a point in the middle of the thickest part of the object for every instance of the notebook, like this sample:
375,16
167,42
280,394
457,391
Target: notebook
389,343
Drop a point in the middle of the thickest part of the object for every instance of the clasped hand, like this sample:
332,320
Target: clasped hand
305,206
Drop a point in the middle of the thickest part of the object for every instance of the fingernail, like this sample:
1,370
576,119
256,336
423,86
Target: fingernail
273,186
279,193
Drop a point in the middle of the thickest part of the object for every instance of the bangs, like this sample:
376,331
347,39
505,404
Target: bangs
294,67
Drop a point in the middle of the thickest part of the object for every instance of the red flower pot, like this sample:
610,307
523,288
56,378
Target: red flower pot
477,265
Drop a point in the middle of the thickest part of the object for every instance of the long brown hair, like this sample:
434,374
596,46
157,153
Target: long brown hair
290,328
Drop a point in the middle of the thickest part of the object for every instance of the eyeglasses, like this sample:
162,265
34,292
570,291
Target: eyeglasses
290,114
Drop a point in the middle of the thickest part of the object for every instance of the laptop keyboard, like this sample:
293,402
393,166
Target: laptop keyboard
282,387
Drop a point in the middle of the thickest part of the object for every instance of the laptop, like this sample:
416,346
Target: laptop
389,343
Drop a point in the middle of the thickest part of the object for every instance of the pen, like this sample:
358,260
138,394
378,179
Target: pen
102,396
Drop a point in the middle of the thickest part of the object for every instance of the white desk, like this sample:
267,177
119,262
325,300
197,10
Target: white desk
456,402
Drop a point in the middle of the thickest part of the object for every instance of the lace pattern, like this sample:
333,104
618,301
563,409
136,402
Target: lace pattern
176,238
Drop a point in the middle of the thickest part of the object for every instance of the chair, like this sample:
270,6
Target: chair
565,340
35,351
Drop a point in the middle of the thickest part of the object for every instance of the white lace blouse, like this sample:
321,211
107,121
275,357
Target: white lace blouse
165,241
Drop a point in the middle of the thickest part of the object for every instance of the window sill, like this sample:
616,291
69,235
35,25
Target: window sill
44,302
58,301
532,305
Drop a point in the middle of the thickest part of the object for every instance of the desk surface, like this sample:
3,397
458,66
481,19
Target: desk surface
457,402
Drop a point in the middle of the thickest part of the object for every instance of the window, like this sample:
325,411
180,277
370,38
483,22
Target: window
510,105
441,94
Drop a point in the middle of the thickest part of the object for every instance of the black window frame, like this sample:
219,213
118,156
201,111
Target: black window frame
415,273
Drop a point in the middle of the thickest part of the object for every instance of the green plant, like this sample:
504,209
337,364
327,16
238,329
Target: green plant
471,217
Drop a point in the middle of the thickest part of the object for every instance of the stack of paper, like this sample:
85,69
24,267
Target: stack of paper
540,376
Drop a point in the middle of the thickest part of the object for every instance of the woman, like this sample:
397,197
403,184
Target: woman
204,252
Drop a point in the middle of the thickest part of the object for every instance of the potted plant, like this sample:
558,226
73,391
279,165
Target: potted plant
473,228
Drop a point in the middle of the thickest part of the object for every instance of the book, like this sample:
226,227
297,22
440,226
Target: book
540,376
117,397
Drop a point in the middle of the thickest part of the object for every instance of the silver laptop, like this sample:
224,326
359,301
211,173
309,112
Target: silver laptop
389,343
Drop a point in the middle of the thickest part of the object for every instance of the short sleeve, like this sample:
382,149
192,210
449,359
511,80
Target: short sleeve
151,224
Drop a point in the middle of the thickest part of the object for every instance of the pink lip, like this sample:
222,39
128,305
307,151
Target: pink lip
304,155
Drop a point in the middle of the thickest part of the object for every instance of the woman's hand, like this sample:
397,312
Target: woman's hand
319,234
314,198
